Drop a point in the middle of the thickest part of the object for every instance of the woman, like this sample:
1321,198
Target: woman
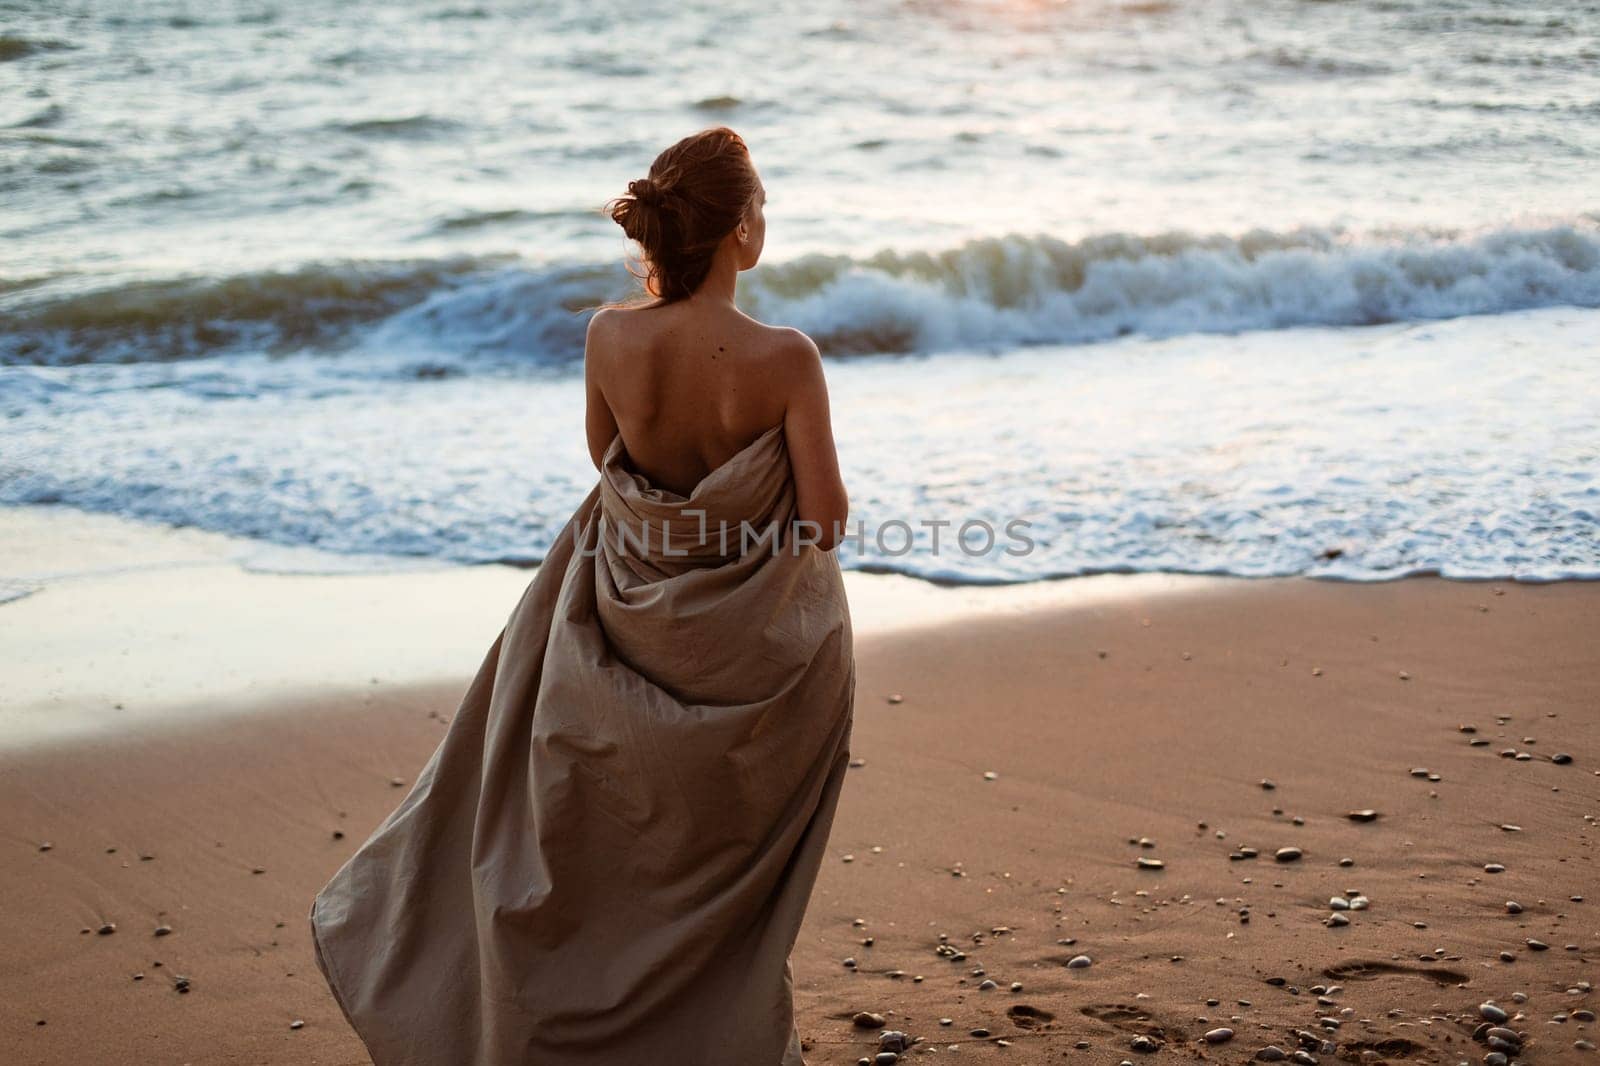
607,859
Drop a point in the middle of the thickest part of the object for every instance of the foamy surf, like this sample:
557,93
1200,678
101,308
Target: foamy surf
1356,453
995,293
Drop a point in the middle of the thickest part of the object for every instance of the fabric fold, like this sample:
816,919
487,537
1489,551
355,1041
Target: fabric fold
608,857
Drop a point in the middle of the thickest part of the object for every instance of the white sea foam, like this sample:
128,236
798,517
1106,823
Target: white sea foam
1468,447
995,293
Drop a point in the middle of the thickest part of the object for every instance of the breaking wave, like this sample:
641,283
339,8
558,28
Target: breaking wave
992,293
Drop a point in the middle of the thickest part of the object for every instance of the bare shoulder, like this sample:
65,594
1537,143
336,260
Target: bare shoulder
604,337
791,355
794,342
603,326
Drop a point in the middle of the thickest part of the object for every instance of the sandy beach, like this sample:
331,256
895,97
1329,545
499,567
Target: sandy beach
1110,778
1213,387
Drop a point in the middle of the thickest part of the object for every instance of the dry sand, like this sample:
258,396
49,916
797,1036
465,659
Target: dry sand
999,799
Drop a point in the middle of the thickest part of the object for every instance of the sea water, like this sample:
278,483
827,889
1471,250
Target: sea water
1254,288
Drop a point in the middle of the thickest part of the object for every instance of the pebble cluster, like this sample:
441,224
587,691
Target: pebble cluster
1335,1031
180,983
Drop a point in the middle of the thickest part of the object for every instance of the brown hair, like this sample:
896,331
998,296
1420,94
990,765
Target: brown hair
695,194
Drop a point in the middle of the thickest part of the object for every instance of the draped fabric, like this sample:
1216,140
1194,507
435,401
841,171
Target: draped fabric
606,860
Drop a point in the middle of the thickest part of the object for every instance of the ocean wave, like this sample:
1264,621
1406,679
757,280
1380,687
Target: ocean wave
188,317
49,115
1305,61
1014,291
14,588
407,126
471,220
14,46
992,293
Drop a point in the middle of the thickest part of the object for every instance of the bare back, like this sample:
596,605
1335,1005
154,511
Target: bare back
689,389
688,385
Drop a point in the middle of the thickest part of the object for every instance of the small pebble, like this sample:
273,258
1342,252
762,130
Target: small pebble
894,1040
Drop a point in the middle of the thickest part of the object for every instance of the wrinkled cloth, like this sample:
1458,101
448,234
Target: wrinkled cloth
607,859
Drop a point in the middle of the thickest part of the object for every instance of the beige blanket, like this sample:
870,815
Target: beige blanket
607,859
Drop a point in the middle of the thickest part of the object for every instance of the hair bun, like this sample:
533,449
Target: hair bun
692,196
645,191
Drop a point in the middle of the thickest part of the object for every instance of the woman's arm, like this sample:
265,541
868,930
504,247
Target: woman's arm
808,431
600,426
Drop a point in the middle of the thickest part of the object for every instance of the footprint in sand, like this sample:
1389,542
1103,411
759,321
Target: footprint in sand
1394,1047
1365,970
1026,1017
1130,1019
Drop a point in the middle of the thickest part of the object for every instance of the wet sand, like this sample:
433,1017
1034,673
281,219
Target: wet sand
157,880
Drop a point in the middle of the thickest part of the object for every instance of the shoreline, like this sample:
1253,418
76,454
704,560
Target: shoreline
1136,715
237,624
136,623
